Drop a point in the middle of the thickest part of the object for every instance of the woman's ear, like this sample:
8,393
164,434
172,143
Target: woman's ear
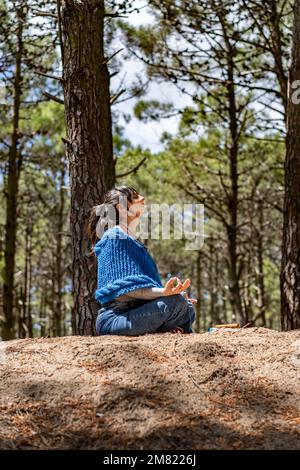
123,212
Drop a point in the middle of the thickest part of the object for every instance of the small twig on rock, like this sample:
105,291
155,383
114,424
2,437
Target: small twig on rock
247,324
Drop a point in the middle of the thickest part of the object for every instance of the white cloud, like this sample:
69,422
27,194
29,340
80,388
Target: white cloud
147,135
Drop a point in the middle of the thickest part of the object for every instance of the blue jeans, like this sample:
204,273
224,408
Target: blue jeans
153,316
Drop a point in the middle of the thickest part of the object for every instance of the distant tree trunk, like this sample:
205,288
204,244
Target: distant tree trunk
25,327
29,312
233,196
290,272
11,191
52,296
277,49
219,305
224,300
19,311
199,291
43,308
247,298
261,273
58,305
211,285
89,136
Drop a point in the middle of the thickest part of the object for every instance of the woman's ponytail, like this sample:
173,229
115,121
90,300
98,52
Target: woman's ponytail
92,226
106,215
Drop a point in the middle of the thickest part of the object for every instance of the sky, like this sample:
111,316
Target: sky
148,135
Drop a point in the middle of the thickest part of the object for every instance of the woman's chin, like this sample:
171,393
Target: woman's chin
139,212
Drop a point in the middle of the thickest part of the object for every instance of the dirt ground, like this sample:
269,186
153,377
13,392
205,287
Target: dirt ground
219,390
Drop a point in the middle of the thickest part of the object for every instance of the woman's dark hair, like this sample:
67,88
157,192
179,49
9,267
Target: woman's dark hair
111,198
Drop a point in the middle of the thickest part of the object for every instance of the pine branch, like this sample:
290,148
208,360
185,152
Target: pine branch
133,170
52,97
53,77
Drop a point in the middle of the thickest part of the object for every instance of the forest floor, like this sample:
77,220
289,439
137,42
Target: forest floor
220,390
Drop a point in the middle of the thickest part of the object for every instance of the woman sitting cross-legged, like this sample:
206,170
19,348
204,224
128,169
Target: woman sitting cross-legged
133,300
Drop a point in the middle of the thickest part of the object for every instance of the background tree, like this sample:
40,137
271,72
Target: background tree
290,274
227,153
205,50
25,58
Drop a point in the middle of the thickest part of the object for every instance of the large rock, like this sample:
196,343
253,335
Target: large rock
221,390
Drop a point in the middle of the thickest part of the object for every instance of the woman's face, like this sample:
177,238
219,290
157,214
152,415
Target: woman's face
135,208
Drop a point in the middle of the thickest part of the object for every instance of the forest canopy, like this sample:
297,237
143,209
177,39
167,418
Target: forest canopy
68,102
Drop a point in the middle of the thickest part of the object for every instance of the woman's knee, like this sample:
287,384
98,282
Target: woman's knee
103,321
177,300
174,298
176,305
99,325
108,323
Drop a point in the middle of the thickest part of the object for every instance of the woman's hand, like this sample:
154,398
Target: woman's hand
194,301
171,290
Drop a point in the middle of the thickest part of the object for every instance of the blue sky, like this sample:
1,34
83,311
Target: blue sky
148,134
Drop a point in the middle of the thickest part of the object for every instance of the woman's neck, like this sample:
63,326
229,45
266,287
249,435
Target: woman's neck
130,228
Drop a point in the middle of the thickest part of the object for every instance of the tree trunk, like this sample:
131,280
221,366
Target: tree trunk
11,190
218,275
26,320
233,196
277,50
261,272
290,271
247,295
199,291
58,306
214,318
43,319
29,313
224,299
89,135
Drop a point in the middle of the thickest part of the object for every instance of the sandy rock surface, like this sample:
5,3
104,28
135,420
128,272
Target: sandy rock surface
220,390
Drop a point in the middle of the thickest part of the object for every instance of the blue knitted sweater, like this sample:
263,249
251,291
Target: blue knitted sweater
124,265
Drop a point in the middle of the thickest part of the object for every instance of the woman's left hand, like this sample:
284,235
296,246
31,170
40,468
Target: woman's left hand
194,301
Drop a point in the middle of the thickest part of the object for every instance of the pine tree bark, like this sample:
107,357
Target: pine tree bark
290,270
89,136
